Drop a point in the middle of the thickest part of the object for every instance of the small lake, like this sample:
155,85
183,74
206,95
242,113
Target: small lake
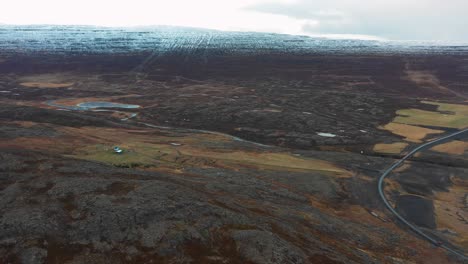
93,105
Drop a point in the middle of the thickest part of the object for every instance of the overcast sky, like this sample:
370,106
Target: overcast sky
445,20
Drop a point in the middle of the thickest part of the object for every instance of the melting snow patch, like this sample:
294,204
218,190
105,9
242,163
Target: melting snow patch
326,135
127,118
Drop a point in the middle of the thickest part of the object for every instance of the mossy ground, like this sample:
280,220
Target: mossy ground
447,115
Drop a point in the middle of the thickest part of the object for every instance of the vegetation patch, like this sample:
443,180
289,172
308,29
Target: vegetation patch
447,115
50,80
198,150
429,81
130,158
411,133
153,155
392,148
451,216
46,85
282,161
454,147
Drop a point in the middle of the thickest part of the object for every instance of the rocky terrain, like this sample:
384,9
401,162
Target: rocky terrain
237,148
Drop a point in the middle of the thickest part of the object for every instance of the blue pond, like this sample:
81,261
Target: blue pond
92,105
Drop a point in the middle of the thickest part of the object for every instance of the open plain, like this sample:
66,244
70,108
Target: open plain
237,148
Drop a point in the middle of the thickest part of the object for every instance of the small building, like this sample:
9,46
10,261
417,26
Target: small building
118,150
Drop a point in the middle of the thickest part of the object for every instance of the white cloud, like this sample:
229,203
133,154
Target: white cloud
214,14
395,19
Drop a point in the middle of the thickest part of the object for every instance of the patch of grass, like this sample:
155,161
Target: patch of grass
46,85
145,154
448,115
450,215
393,148
411,133
454,147
456,108
48,80
128,159
284,161
196,150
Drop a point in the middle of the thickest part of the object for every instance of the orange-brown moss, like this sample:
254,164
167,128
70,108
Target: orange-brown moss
393,148
411,133
454,147
46,85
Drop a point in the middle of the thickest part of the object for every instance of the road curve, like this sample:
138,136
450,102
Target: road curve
396,165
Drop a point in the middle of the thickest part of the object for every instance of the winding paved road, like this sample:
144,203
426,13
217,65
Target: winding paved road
401,218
